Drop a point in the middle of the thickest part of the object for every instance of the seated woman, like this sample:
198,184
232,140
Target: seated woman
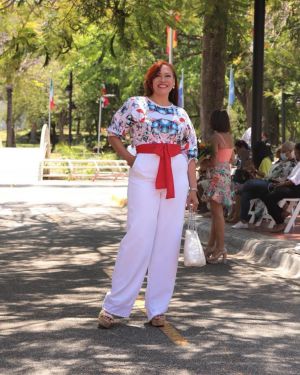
258,188
262,159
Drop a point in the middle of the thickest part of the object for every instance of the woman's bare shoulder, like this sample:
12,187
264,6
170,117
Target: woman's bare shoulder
214,137
229,138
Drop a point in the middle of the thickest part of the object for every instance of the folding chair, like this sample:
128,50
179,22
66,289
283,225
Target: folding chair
254,203
293,208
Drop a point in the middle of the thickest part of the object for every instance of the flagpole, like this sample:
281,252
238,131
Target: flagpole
49,108
171,46
49,117
182,78
228,105
99,124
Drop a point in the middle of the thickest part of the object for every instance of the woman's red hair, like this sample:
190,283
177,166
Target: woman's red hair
152,72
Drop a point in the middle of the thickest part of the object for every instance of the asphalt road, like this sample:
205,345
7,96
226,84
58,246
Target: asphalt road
57,250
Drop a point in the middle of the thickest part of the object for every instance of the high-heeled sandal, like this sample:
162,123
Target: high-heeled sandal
105,320
208,251
158,321
214,259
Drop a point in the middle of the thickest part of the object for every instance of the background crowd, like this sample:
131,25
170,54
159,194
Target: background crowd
263,174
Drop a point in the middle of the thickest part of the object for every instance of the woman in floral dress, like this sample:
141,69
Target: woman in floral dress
218,192
162,181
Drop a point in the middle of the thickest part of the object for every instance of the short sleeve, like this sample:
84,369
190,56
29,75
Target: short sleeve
295,175
265,166
190,139
122,120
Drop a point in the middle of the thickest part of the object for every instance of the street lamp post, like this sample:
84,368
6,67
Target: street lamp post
258,69
100,118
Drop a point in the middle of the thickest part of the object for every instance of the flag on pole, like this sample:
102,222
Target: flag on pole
51,96
105,100
171,39
181,91
231,95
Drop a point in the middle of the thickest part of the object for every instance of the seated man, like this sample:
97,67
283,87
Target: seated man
287,189
243,161
240,176
259,188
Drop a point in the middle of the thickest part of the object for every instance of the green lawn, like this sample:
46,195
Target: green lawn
62,150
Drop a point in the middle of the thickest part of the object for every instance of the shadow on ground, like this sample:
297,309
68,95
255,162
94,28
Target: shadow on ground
237,320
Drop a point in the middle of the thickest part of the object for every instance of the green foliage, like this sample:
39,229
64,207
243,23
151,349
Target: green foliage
64,151
114,42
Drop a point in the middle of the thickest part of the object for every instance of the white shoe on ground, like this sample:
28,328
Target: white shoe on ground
240,225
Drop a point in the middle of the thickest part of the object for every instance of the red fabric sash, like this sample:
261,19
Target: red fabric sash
164,178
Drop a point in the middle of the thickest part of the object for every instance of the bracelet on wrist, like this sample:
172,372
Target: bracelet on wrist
193,189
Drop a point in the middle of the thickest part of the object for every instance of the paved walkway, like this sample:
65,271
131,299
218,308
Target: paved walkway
20,165
57,250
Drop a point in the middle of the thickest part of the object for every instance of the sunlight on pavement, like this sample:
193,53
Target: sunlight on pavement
120,201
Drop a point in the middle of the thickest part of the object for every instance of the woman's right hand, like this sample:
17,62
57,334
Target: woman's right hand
118,146
130,160
251,170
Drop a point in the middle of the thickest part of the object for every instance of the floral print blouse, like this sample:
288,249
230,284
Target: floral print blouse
280,170
148,122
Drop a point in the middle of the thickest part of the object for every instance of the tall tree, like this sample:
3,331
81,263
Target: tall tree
213,61
18,40
113,41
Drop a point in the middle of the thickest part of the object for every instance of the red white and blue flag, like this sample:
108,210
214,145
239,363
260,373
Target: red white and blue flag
51,96
105,100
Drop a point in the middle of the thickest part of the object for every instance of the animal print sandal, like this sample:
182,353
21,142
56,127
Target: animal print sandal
158,321
105,320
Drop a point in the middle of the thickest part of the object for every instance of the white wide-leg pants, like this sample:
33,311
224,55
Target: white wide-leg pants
152,241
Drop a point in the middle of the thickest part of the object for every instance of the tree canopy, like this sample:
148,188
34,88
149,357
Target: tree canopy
113,42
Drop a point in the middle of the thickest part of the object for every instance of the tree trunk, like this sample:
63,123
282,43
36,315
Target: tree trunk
245,98
78,127
10,136
62,120
213,62
248,108
33,133
271,120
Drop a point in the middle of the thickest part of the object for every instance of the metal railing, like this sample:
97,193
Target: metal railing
90,169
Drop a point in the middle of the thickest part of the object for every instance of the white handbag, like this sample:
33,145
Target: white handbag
193,252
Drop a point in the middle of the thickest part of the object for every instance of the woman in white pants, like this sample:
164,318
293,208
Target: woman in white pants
162,181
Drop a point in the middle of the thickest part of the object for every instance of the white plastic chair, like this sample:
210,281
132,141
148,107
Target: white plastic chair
293,208
254,203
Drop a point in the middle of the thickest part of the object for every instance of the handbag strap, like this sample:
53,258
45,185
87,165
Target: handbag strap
191,219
